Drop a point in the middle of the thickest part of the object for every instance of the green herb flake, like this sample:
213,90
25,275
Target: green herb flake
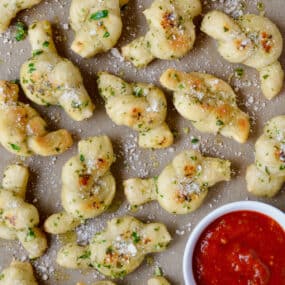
99,15
239,72
31,67
30,235
106,35
21,31
138,92
265,76
82,158
136,238
37,52
15,147
45,44
85,255
194,140
219,123
226,29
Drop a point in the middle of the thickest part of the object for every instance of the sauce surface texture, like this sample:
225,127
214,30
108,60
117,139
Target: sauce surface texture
241,248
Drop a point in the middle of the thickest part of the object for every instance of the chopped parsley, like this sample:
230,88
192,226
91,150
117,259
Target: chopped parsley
37,52
30,235
265,76
138,92
194,140
15,147
31,67
239,72
106,35
45,44
85,255
219,123
82,158
136,238
21,31
99,15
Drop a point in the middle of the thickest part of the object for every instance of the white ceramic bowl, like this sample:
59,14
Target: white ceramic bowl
259,207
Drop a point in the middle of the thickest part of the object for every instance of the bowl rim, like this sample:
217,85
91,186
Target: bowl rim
254,206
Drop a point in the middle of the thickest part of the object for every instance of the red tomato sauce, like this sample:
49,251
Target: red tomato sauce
241,248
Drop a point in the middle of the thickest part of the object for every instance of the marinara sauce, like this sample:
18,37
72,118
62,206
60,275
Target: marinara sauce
241,248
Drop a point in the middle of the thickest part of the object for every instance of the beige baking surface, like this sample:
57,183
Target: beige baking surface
44,189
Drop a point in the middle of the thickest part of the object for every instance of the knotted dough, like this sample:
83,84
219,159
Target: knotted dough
48,79
23,131
97,25
19,219
266,176
139,106
117,250
208,102
182,186
252,40
88,187
171,32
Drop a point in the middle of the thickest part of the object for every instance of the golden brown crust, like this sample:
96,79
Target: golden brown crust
209,102
139,106
252,40
23,131
171,32
20,222
88,187
119,249
183,184
48,79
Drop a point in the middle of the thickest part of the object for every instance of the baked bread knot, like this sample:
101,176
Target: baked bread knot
208,102
252,40
266,176
48,79
19,219
22,130
18,273
9,10
171,32
140,106
182,186
117,250
88,187
97,25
